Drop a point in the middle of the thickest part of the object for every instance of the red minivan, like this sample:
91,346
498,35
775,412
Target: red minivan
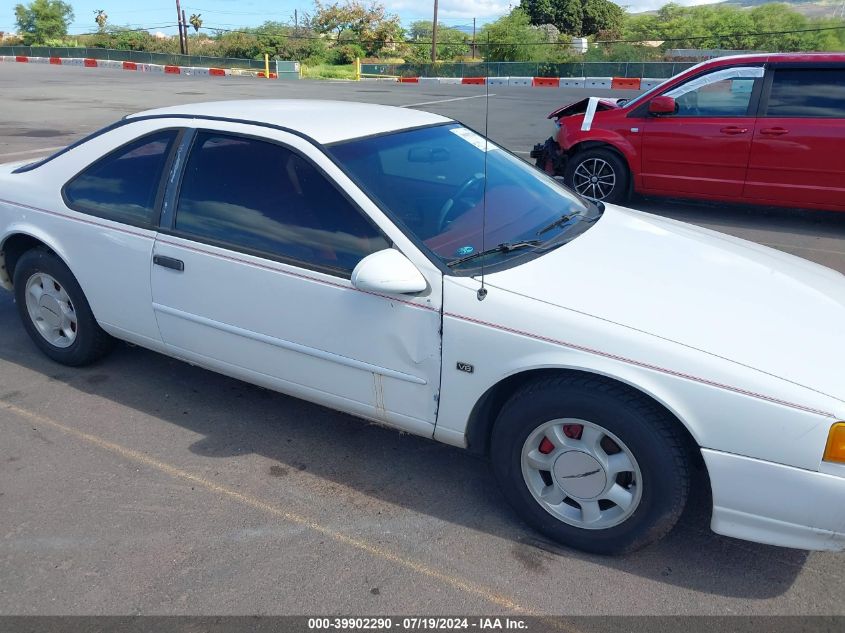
763,129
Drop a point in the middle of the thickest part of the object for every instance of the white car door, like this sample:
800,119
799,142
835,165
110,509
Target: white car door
251,276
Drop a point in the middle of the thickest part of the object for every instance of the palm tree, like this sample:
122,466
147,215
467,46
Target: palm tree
101,17
196,21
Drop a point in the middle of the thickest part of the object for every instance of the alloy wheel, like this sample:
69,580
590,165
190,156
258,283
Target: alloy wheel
51,310
594,178
581,473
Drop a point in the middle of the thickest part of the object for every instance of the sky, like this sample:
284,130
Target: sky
236,13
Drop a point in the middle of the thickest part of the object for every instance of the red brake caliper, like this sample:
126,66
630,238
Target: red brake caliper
573,431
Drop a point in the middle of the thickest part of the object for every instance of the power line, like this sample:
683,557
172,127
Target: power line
119,30
512,43
333,38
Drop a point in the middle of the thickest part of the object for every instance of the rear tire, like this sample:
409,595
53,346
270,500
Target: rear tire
598,174
590,463
55,312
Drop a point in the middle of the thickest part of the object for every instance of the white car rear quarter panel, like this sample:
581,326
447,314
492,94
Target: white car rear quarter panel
506,334
110,260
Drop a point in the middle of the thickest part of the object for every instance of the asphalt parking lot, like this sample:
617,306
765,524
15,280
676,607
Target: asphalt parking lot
143,485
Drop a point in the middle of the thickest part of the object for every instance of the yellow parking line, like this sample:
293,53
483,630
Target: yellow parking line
374,550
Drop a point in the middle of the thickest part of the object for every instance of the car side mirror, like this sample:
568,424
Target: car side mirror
662,105
388,271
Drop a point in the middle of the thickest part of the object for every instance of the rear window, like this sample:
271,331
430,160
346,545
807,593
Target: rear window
124,186
809,93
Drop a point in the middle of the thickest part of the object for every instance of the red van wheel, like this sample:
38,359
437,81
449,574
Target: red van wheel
598,174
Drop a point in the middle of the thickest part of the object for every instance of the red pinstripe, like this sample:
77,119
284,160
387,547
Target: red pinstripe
291,273
637,363
496,326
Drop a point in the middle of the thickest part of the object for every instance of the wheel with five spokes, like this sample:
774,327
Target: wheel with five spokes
591,463
55,312
598,174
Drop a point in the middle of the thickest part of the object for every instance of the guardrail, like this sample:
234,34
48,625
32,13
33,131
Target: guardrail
658,70
139,57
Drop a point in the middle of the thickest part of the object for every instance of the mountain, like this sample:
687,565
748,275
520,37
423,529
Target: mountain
809,8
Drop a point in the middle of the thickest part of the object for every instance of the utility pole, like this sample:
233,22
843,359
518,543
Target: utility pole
473,38
181,34
185,30
296,21
434,35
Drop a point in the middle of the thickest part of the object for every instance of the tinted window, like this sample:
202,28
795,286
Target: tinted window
459,194
124,185
263,198
808,93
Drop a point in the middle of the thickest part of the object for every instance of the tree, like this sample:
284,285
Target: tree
196,21
575,17
101,17
276,40
41,20
601,16
511,38
368,25
718,26
451,43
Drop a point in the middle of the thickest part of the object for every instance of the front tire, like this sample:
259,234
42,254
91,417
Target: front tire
590,463
598,174
55,312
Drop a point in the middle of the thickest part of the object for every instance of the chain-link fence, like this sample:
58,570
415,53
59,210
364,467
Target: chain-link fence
140,57
657,70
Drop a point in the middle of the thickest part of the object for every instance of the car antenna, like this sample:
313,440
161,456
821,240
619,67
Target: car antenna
482,292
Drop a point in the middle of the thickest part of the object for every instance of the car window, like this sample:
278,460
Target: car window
124,186
459,194
812,93
443,164
723,93
263,198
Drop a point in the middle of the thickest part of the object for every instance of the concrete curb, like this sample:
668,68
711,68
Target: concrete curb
135,66
604,83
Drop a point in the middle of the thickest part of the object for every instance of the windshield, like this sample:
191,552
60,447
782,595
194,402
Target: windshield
648,93
433,181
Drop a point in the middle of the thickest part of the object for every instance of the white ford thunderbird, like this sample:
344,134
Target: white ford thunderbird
395,265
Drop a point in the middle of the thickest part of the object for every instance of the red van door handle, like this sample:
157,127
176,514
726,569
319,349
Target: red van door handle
733,129
774,131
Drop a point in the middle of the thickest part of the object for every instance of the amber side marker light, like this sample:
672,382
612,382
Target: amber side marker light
835,449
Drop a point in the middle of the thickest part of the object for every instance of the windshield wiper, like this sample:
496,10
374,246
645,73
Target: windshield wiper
564,219
504,247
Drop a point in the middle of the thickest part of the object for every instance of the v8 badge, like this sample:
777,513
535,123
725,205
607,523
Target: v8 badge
465,367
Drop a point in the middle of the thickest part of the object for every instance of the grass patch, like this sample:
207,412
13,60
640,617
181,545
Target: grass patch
328,71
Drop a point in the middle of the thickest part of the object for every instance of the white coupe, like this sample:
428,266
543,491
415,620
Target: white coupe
396,265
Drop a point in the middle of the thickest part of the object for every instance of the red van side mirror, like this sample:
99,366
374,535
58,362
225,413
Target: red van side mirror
662,105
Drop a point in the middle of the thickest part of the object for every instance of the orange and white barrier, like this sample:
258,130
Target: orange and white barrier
134,66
